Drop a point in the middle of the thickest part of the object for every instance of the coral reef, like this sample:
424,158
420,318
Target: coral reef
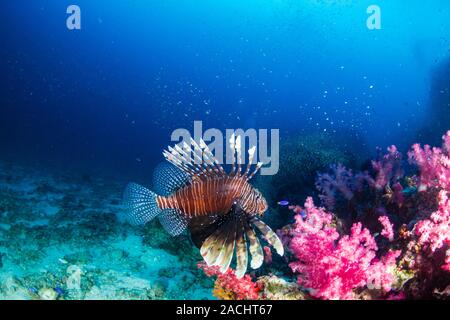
268,287
228,287
433,163
276,288
382,234
333,266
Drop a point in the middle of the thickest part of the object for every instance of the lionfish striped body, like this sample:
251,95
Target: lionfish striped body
219,209
212,196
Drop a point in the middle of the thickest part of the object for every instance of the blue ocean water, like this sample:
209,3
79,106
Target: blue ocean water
103,100
113,91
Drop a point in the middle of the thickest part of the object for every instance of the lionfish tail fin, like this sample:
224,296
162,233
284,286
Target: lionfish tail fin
140,204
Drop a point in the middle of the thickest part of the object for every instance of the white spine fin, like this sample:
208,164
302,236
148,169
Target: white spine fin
238,146
258,166
197,167
233,150
209,157
251,155
194,159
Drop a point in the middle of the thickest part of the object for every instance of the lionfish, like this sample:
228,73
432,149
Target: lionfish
221,210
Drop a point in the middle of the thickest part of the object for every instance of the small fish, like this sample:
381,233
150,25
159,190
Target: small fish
303,214
59,290
33,290
283,203
221,210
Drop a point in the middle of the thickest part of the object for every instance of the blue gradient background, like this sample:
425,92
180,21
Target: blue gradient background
108,96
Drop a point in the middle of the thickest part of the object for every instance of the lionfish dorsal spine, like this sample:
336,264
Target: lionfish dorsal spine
232,142
209,154
174,158
204,163
236,144
238,150
197,160
258,166
187,158
251,155
209,157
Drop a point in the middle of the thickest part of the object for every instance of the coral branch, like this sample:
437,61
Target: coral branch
331,266
228,287
433,163
388,228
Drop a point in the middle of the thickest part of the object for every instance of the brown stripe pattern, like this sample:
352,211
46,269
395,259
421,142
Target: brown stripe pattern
212,196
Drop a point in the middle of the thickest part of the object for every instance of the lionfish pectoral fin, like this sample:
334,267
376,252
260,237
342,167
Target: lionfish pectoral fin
234,232
173,221
241,251
140,204
201,227
226,253
270,236
212,249
255,249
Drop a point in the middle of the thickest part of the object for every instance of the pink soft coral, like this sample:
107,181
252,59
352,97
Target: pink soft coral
433,163
333,266
341,182
388,228
446,265
388,168
434,233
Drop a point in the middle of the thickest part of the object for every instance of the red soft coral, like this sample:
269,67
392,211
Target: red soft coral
229,287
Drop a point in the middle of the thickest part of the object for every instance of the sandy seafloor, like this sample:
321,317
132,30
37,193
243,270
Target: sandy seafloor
62,237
